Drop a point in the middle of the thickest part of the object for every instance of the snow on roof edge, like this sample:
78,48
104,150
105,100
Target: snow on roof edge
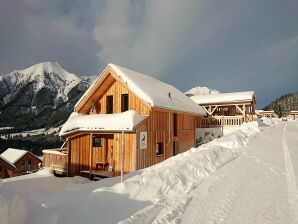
13,155
224,97
125,121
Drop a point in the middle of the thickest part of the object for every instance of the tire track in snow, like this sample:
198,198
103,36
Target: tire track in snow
291,181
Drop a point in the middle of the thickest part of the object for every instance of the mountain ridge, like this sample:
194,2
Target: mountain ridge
44,94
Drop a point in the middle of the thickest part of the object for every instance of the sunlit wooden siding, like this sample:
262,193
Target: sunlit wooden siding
83,156
112,86
160,128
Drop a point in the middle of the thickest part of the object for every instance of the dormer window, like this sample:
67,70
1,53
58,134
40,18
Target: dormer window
109,104
124,102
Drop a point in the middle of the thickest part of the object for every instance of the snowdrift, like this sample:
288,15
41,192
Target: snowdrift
168,184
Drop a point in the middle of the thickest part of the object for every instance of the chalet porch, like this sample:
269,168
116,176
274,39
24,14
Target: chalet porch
57,159
88,154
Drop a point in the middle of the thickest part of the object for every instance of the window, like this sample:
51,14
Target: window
124,102
159,149
109,104
175,124
22,166
97,141
29,165
0,168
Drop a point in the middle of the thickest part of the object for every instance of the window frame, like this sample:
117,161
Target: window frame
159,149
22,166
175,124
94,143
29,165
109,105
124,104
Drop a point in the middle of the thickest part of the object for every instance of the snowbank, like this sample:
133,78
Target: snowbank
168,184
271,121
205,135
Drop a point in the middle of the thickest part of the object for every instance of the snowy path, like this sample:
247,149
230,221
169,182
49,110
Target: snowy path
291,180
258,187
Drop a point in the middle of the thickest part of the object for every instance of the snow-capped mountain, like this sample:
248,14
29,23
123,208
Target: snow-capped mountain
201,91
39,90
48,75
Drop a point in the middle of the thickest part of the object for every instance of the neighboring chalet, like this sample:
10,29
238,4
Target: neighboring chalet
6,168
294,114
125,111
227,108
266,113
15,162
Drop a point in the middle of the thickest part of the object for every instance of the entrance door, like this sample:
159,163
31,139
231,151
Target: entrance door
109,149
103,152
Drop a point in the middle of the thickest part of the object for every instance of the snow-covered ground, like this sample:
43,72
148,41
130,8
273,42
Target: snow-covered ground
41,131
248,176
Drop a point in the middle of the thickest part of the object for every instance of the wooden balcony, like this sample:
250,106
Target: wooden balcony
218,121
56,159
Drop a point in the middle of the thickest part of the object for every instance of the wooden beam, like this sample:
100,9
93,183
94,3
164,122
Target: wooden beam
206,110
90,155
213,110
239,108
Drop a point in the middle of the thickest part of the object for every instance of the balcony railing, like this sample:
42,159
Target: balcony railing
56,159
218,121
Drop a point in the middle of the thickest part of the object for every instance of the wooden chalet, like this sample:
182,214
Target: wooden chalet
17,162
227,109
294,114
124,122
266,113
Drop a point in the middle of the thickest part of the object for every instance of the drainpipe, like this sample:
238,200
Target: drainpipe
169,128
122,156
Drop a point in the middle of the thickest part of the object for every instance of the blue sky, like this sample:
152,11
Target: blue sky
228,45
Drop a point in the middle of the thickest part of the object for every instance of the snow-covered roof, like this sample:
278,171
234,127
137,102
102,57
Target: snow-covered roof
125,121
201,90
153,91
224,98
9,163
264,111
13,155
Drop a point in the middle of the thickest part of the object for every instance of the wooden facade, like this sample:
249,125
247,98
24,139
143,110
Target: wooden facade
159,127
27,163
167,132
294,114
6,169
264,113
